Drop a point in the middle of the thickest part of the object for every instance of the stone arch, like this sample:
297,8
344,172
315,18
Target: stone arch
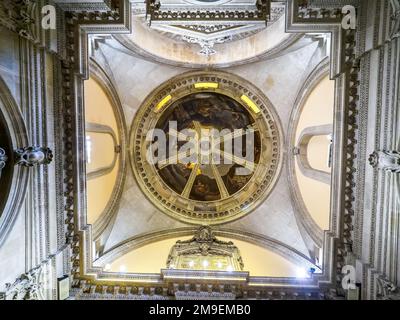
18,137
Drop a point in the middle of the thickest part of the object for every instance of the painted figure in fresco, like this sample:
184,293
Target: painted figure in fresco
211,110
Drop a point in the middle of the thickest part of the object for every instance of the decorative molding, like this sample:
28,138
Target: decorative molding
260,12
81,23
36,284
209,22
85,5
204,244
26,287
385,160
211,31
345,67
207,46
139,241
33,156
202,295
20,16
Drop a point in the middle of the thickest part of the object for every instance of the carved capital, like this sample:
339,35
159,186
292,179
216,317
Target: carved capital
31,156
385,160
3,159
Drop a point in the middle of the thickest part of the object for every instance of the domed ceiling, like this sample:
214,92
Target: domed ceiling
206,148
214,146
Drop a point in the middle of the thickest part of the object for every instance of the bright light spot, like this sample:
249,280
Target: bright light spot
250,103
301,273
122,268
107,267
229,269
171,266
88,149
205,263
206,85
191,264
163,102
219,264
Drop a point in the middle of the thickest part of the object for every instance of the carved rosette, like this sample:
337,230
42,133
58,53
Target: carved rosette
32,156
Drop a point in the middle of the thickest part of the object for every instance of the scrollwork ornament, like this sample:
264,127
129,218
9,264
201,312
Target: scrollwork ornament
32,156
207,46
3,159
385,160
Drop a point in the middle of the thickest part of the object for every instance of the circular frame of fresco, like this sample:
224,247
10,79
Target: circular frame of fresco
205,191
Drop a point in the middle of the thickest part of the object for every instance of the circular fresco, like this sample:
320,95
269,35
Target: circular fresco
217,176
206,148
